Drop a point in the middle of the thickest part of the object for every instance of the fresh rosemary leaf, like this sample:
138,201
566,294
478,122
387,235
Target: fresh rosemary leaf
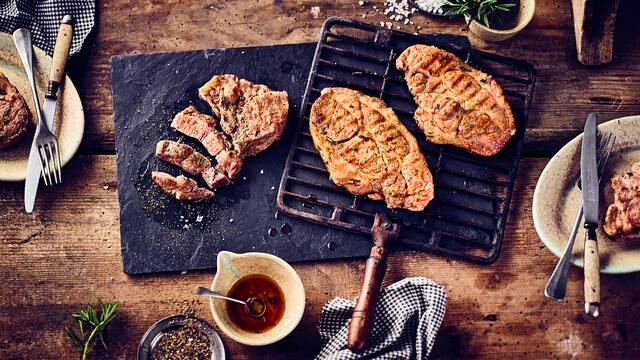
92,326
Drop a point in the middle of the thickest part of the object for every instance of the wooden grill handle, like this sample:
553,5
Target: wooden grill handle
363,316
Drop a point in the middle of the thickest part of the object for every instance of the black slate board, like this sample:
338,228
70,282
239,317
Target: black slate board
160,234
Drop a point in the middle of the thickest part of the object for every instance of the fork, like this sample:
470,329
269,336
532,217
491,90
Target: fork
46,142
557,285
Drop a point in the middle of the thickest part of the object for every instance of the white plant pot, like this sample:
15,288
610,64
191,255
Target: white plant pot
525,14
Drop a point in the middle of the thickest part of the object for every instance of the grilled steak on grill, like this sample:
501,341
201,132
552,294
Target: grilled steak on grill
457,104
180,187
15,116
191,161
368,151
253,115
623,216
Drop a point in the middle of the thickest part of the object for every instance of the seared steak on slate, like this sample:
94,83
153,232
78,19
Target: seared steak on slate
15,116
368,151
180,187
252,114
623,216
201,127
457,104
191,161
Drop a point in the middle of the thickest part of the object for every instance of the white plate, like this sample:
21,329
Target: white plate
69,123
556,199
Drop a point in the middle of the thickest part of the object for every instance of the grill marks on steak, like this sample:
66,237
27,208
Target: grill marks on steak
368,151
15,117
457,104
623,216
180,187
252,116
191,161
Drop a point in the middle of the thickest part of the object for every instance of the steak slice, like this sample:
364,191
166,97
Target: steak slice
180,187
623,216
229,163
457,104
191,161
201,127
15,117
252,114
368,151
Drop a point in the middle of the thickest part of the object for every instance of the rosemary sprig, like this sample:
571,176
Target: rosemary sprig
484,11
91,326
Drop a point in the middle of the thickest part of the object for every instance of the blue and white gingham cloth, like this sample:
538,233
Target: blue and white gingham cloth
43,17
408,317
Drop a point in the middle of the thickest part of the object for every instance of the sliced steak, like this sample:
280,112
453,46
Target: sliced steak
201,127
15,117
253,115
180,187
457,104
622,220
229,163
191,161
368,151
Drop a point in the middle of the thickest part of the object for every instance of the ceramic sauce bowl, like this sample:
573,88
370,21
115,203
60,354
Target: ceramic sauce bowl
230,268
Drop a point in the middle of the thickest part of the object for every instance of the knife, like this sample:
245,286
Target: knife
590,194
60,55
56,74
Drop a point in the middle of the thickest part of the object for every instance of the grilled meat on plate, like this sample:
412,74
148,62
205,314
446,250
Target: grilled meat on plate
180,187
623,216
15,116
191,161
457,104
253,115
368,151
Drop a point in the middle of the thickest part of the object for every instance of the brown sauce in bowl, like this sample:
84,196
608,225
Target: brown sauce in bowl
256,286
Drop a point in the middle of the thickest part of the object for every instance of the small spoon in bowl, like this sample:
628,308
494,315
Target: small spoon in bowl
255,306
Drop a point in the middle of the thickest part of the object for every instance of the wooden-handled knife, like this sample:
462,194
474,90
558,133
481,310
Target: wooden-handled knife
56,74
364,312
590,195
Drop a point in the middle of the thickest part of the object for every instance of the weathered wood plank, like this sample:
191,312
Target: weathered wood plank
566,90
68,253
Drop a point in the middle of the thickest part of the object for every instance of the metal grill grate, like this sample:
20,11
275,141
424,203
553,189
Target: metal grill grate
467,217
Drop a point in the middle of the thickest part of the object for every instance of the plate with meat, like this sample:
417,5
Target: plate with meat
556,200
17,111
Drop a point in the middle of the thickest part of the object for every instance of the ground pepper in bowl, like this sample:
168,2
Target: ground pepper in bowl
187,342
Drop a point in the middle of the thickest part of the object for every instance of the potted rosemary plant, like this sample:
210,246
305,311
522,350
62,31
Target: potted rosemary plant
493,20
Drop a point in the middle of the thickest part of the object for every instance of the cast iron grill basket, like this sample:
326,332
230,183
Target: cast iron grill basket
467,217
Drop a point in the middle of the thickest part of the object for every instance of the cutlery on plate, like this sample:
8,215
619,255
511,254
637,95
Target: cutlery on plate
44,156
557,285
590,197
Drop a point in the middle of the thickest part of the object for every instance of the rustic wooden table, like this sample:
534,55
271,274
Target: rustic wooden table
67,252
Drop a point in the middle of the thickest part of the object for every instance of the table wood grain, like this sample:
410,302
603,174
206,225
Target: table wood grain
67,252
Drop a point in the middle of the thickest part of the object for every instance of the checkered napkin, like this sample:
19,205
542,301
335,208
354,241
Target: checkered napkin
408,316
43,17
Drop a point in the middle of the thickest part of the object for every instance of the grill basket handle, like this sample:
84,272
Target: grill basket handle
364,312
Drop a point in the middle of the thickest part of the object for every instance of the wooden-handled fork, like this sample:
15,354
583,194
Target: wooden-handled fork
364,312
